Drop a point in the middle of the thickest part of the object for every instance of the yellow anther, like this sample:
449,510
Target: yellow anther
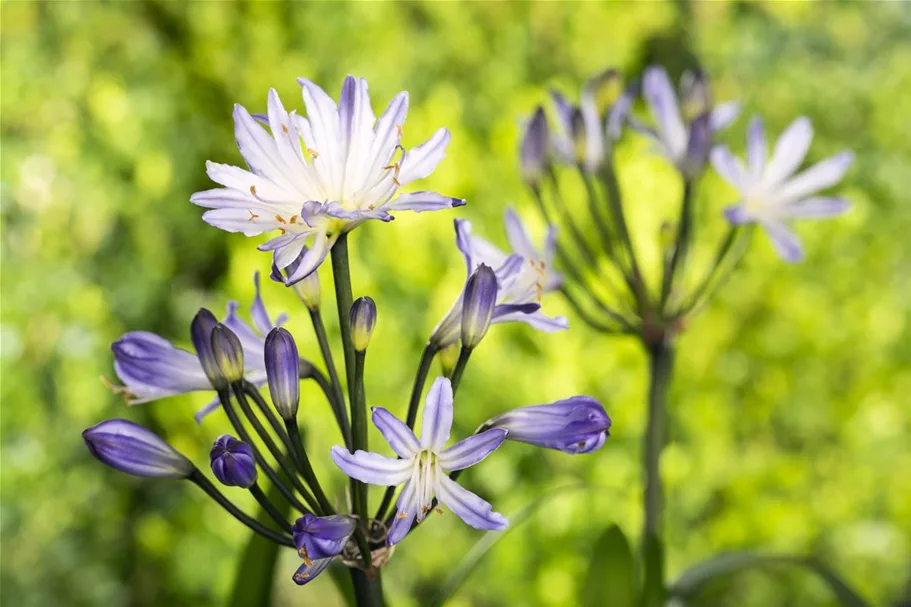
280,219
396,182
401,515
313,153
284,129
400,131
302,576
253,190
303,554
439,510
252,215
293,219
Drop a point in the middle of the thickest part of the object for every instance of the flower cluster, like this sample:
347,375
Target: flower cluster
606,284
314,179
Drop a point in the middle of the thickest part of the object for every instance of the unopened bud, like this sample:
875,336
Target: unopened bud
362,317
228,352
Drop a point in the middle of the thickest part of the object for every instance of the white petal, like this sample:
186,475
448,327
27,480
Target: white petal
784,240
468,506
259,187
372,468
259,149
723,114
729,167
420,161
518,237
818,177
437,419
790,150
322,115
815,208
662,101
756,148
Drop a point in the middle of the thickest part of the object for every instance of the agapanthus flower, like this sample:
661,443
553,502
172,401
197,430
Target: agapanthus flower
315,178
422,465
573,425
771,193
319,539
523,277
579,135
151,367
130,448
683,138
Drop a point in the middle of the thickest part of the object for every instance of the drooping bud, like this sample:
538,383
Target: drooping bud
533,151
478,304
362,317
232,462
201,334
228,353
128,447
573,425
308,288
283,372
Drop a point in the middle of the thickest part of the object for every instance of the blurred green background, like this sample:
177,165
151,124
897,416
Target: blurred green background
790,408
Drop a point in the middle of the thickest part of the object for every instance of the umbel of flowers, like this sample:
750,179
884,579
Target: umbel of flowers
311,180
605,282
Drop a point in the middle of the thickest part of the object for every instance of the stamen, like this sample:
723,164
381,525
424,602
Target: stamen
293,219
402,515
400,130
253,190
284,129
439,510
252,215
303,554
313,153
117,389
301,576
279,218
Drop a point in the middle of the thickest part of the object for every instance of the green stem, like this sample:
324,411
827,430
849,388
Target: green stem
303,462
456,378
661,358
681,246
367,592
274,449
420,378
343,298
270,508
359,429
337,397
206,485
270,472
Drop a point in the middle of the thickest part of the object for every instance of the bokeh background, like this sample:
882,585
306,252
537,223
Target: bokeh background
790,408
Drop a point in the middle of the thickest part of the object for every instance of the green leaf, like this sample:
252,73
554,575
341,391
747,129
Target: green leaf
692,580
612,572
256,570
486,543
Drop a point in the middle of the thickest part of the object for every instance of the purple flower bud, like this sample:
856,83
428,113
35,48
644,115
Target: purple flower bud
201,334
478,305
534,149
233,463
363,319
283,372
228,353
698,147
130,448
574,425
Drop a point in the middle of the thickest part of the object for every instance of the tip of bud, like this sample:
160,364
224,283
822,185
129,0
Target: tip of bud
201,335
478,305
228,353
362,317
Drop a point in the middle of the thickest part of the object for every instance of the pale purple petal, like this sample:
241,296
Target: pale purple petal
471,450
784,240
388,128
468,506
150,367
423,201
128,447
573,425
739,215
258,312
662,101
756,148
406,509
723,114
818,177
537,320
728,166
372,468
790,150
312,259
518,236
437,415
815,208
259,149
399,436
